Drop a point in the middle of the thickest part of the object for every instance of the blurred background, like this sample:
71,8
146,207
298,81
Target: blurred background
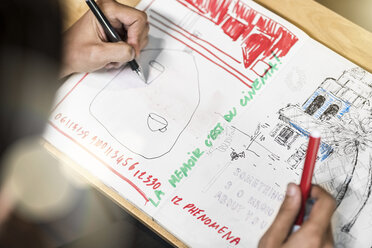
51,201
56,207
42,202
357,11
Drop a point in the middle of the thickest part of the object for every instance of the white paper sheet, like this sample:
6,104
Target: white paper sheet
209,144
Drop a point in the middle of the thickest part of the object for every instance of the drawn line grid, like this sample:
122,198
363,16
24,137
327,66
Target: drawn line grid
214,55
193,35
162,30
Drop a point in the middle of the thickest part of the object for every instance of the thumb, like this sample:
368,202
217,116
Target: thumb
118,52
278,231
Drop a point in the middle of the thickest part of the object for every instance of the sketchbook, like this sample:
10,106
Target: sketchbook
207,146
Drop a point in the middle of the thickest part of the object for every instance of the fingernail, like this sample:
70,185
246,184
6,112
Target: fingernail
291,190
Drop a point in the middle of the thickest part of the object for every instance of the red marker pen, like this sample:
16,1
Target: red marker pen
307,175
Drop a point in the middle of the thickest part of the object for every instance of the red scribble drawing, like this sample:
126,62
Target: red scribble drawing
259,36
233,28
215,9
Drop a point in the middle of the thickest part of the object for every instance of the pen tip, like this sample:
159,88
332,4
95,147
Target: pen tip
140,75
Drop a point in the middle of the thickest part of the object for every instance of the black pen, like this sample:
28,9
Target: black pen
112,35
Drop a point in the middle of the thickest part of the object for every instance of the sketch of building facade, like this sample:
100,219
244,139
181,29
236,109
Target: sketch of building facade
341,110
331,100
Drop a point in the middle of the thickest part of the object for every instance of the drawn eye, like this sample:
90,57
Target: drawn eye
157,123
155,70
157,66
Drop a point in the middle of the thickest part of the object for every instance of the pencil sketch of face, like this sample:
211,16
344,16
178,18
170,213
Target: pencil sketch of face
148,118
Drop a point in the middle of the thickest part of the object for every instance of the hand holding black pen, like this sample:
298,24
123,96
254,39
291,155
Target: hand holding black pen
87,47
111,33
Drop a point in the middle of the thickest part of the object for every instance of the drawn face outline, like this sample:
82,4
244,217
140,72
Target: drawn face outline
114,90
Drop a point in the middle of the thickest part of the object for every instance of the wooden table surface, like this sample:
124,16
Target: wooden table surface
332,30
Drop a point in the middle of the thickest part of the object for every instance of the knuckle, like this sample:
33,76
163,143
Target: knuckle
312,228
142,16
316,236
118,65
316,190
95,53
127,50
315,241
106,6
325,197
320,191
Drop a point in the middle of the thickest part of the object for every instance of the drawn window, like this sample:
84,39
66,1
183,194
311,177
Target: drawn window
285,134
315,105
332,110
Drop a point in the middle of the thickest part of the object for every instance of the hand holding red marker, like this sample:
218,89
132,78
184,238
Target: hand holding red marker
307,175
311,216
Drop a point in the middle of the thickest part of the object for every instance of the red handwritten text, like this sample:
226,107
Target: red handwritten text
71,125
115,155
201,215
